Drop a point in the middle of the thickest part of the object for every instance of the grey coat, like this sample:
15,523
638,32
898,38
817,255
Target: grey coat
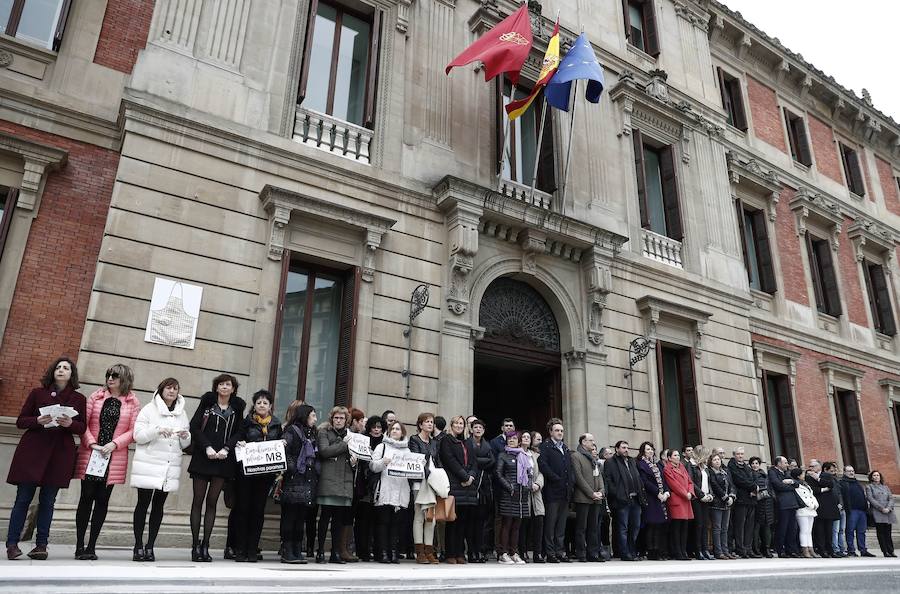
586,482
336,477
880,497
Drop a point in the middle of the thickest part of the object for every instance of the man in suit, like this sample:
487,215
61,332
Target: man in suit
784,487
555,464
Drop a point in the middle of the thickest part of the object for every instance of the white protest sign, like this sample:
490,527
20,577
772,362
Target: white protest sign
407,465
262,457
56,411
358,445
97,464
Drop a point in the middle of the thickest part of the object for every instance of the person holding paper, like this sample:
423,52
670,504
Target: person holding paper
111,414
45,456
252,491
301,479
391,493
214,434
161,433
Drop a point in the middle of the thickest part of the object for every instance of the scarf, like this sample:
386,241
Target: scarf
308,449
595,463
523,465
263,423
654,469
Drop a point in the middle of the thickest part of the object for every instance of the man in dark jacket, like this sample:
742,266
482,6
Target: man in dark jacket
625,496
745,507
822,485
786,527
856,506
498,444
555,464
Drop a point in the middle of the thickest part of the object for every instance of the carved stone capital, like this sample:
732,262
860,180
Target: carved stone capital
533,244
38,160
575,359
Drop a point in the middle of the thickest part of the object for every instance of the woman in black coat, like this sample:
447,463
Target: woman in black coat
765,510
514,477
484,457
214,428
301,478
252,491
825,488
364,521
458,459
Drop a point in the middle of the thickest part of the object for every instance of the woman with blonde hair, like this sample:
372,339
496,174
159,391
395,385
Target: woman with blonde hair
111,414
335,495
458,459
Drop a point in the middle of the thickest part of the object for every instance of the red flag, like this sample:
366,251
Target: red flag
502,49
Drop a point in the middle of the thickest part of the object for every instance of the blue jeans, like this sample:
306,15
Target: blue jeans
856,523
837,534
46,500
628,523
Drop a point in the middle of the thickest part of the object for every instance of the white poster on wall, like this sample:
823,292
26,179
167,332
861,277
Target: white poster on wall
174,310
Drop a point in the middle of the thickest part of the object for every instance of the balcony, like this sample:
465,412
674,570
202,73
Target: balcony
522,193
333,135
661,248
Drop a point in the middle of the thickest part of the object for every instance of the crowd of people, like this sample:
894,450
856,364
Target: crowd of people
520,497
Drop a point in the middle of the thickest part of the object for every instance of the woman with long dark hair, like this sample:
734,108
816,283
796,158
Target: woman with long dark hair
364,521
161,433
881,501
679,504
214,429
45,456
301,479
111,414
484,457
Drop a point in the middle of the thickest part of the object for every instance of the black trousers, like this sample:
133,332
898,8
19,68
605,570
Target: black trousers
364,529
701,528
293,522
154,500
92,507
337,516
678,533
456,533
822,535
786,532
482,519
555,527
387,529
656,540
883,532
744,526
587,530
251,492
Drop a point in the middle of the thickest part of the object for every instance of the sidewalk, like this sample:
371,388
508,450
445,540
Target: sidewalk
174,572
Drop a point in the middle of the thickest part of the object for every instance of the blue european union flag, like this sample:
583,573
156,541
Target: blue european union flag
579,64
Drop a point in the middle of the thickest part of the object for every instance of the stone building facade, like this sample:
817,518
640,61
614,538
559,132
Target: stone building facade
726,201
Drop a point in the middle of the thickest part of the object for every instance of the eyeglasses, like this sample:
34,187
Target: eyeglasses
112,376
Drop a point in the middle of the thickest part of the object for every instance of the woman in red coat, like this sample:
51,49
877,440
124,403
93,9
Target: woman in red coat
111,415
45,456
682,488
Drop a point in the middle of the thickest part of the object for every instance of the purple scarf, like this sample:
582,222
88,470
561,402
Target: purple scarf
307,453
523,465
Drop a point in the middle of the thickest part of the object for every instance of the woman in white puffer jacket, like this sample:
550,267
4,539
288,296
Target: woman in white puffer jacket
391,493
160,433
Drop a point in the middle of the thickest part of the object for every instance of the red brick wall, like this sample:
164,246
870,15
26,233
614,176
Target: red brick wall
827,161
126,25
767,119
888,186
46,317
850,282
814,417
789,253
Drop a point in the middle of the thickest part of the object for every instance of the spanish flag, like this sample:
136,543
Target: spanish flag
548,69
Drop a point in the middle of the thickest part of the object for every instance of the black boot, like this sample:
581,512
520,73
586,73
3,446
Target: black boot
204,552
298,553
148,554
336,558
138,553
229,553
320,556
395,558
196,557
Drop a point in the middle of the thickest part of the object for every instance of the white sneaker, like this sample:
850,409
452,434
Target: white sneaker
518,560
504,559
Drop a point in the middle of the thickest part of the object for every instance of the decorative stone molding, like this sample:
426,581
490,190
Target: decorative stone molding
654,308
807,203
403,15
831,369
867,234
892,391
694,14
599,285
761,349
281,204
463,211
575,359
476,333
747,171
6,59
533,243
39,159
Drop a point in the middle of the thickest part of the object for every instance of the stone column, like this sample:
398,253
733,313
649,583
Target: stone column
596,397
575,410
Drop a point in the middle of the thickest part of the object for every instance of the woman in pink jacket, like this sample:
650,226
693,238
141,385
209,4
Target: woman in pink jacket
680,511
111,414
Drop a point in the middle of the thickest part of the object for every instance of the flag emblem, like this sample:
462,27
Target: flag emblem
514,37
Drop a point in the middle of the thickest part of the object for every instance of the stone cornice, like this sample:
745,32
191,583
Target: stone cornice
38,160
867,234
807,203
652,309
747,168
770,349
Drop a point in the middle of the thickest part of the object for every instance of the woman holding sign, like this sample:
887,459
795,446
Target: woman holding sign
252,489
458,459
45,456
161,432
103,455
391,493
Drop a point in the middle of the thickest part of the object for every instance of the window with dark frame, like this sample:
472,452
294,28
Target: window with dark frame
896,409
680,413
657,185
824,276
850,431
780,418
312,358
757,252
852,172
522,142
732,99
40,22
879,298
8,199
640,25
796,129
340,62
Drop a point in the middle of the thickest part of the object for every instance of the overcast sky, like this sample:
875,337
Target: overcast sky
854,42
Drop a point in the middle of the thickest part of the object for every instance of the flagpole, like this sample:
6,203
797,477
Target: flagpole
562,198
537,153
506,129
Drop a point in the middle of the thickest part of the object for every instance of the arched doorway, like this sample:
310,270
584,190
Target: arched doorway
517,363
